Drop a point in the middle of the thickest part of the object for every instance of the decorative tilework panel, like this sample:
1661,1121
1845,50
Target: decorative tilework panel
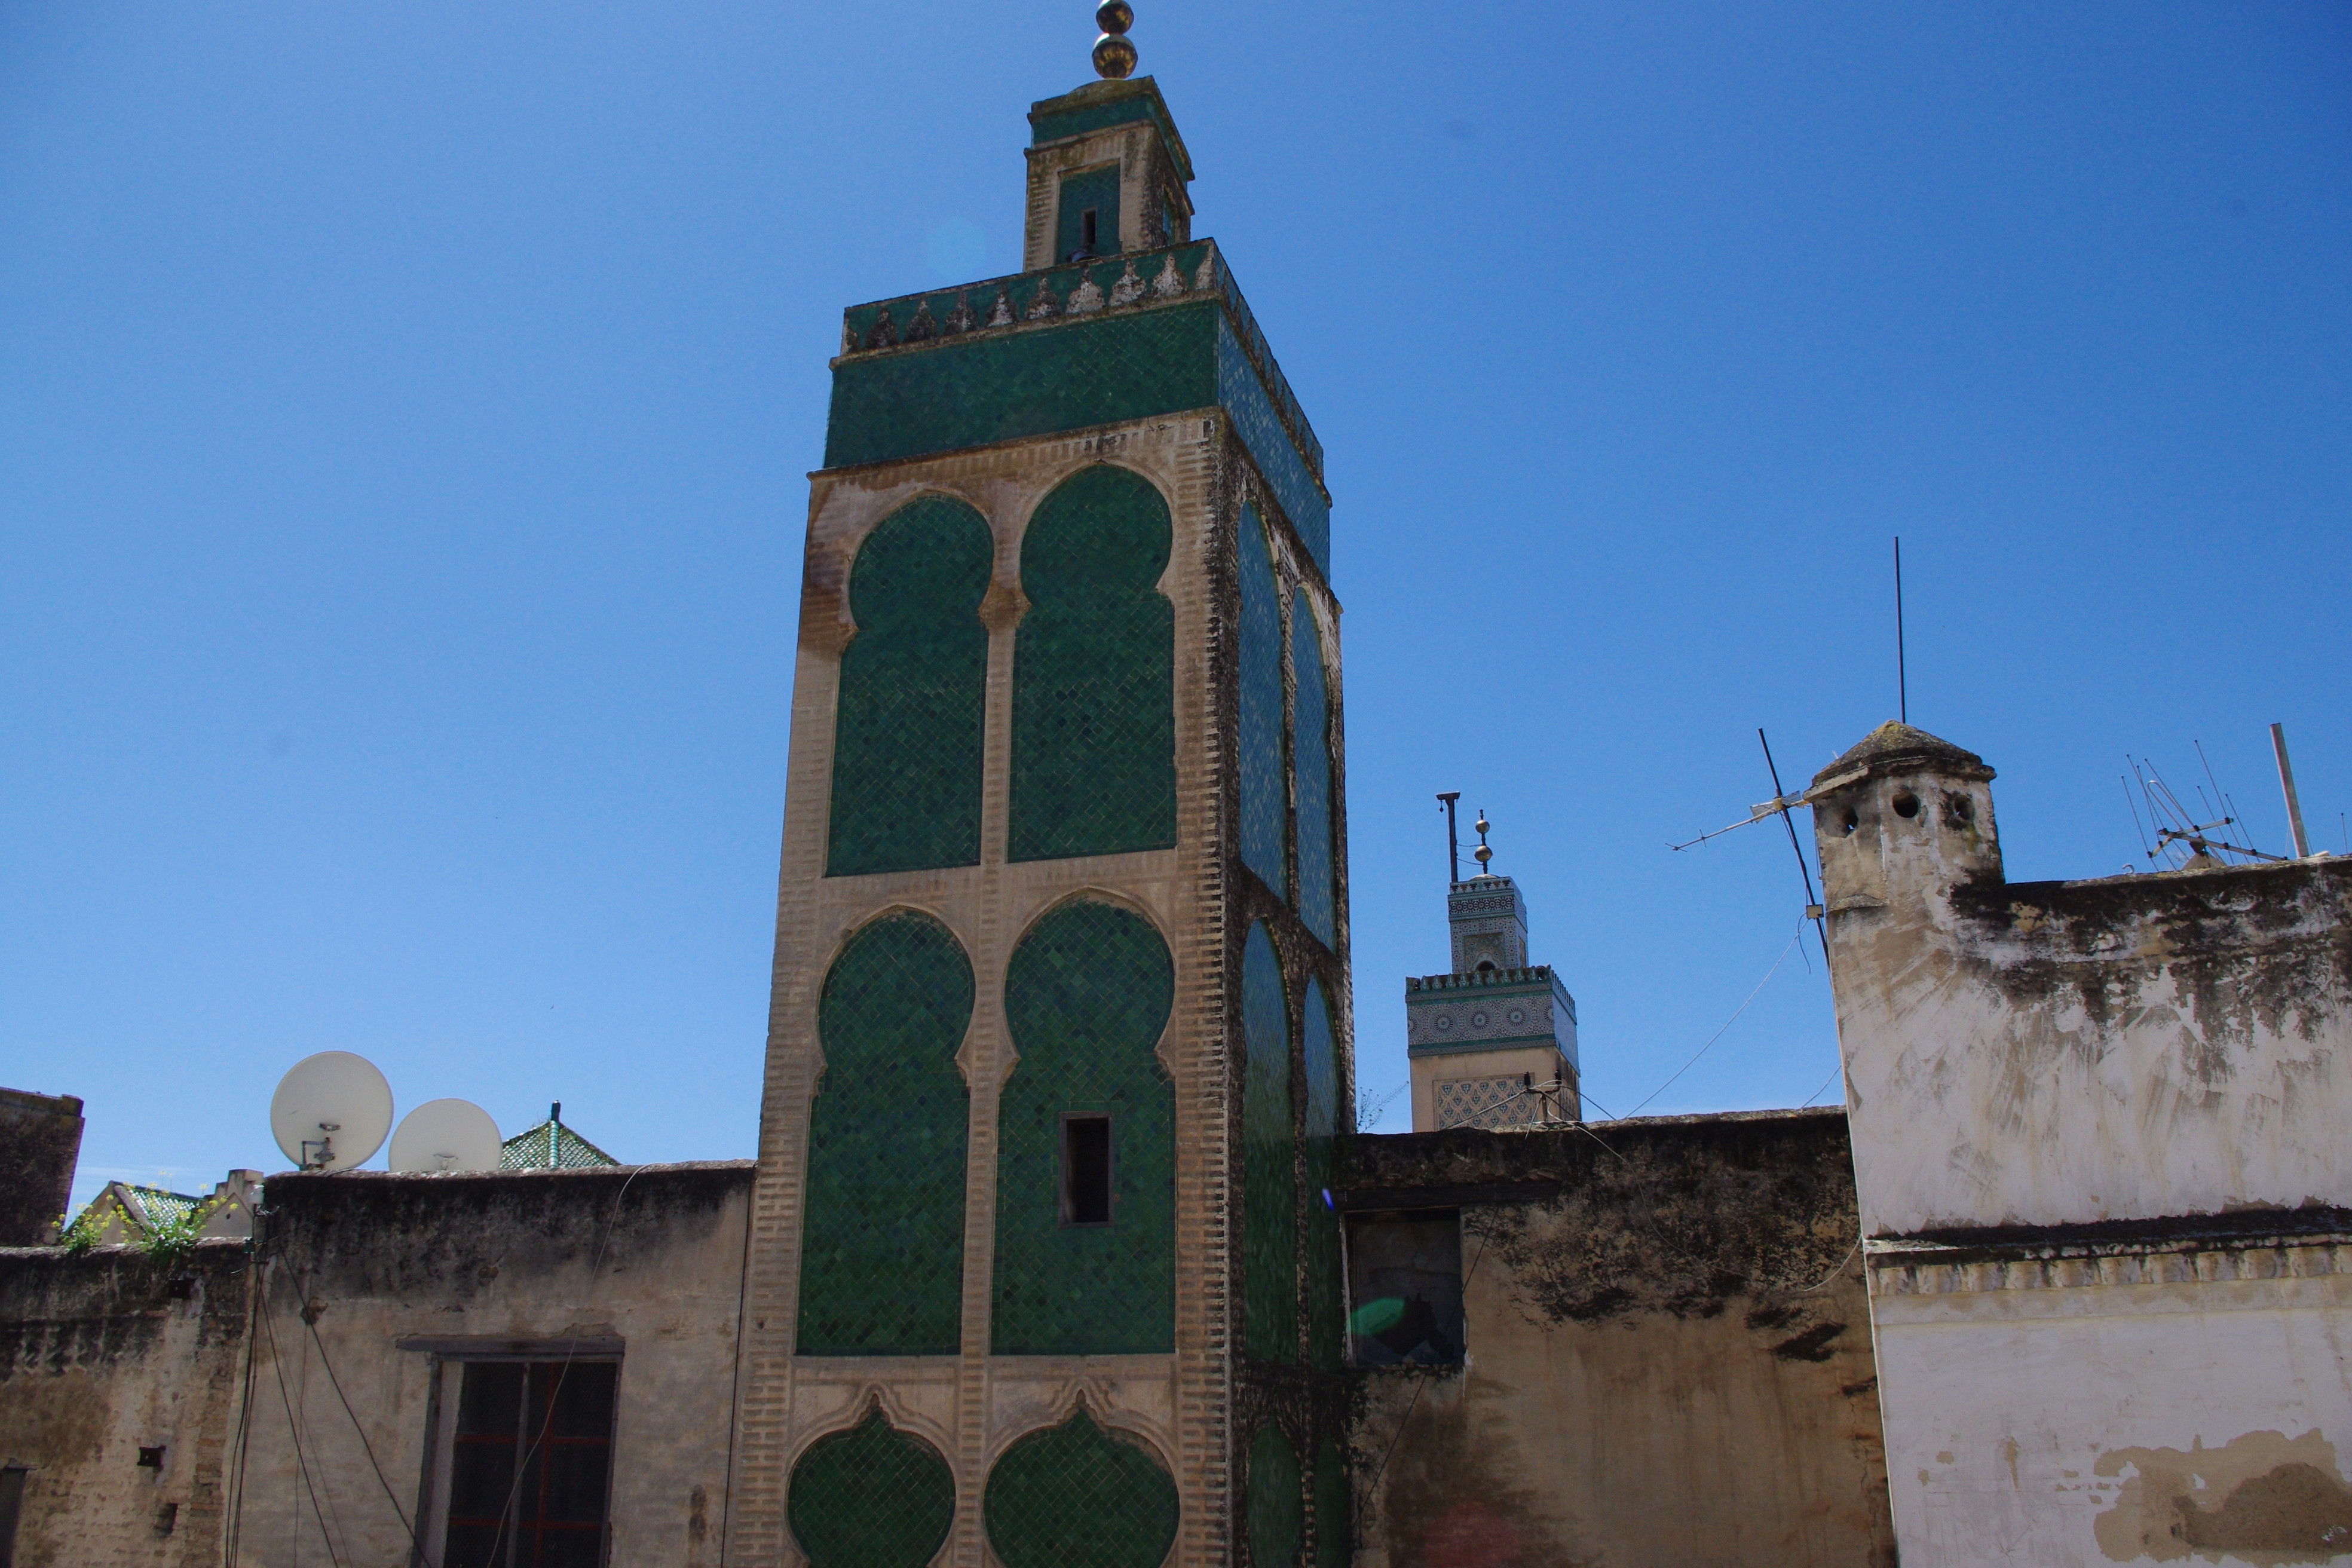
1333,1506
1264,810
1245,397
1269,1146
1087,997
1095,188
969,391
1318,1045
1094,674
1484,1102
907,724
1310,752
872,1497
1274,1515
886,1161
1076,1496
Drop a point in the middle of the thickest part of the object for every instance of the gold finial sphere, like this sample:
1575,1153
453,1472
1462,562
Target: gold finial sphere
1481,825
1484,855
1114,15
1114,57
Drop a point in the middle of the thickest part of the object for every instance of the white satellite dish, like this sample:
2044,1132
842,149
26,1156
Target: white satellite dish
446,1135
330,1111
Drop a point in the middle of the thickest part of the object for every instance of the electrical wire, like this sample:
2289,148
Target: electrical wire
1795,937
233,1525
1826,1083
301,1463
1420,1384
365,1447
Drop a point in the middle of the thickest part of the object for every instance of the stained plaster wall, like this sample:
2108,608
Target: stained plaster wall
973,1405
371,1274
1667,1356
2098,1137
103,1354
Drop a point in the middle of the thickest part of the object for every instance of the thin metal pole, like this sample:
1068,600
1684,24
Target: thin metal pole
1820,927
1453,840
1902,676
2286,784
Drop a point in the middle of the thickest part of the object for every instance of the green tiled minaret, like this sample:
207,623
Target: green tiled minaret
1060,1032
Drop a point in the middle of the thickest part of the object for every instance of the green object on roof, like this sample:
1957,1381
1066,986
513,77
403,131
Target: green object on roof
550,1146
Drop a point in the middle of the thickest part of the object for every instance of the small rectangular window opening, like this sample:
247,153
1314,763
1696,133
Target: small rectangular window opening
1404,1288
1086,1170
1087,230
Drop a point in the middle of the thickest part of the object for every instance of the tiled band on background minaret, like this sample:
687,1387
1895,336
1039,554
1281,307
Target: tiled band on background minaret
1059,1034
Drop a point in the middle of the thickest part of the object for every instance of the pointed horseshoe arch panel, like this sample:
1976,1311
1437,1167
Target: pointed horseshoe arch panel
1093,673
1086,1272
886,1150
872,1497
907,723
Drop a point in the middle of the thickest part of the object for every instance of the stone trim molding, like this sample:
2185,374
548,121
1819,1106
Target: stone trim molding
1905,1268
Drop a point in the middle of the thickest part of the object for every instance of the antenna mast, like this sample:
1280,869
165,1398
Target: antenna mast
1453,840
1902,679
2286,784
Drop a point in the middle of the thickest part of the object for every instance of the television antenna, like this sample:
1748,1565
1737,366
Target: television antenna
2173,837
331,1111
446,1135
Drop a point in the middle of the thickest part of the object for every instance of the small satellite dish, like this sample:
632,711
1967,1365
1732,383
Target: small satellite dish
446,1135
330,1111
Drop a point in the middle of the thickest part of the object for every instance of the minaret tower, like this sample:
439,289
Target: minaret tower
1493,1044
1058,1044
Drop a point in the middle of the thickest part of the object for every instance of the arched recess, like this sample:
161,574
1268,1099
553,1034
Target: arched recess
1318,1045
1094,695
885,1193
1258,729
1088,1117
870,1497
1080,1496
1269,1145
907,723
1274,1514
1310,753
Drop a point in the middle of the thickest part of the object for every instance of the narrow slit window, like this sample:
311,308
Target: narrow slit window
1087,231
1086,1170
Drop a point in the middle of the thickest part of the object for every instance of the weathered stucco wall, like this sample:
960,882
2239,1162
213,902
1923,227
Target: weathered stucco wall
2081,1402
369,1274
2053,1053
103,1354
367,1280
2098,1133
1667,1356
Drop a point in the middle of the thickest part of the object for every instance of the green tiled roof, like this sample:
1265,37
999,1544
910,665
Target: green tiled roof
166,1206
551,1145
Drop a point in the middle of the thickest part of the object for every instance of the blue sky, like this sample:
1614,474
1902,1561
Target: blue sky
405,417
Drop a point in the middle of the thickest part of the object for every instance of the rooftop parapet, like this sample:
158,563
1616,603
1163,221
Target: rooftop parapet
868,424
1533,975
